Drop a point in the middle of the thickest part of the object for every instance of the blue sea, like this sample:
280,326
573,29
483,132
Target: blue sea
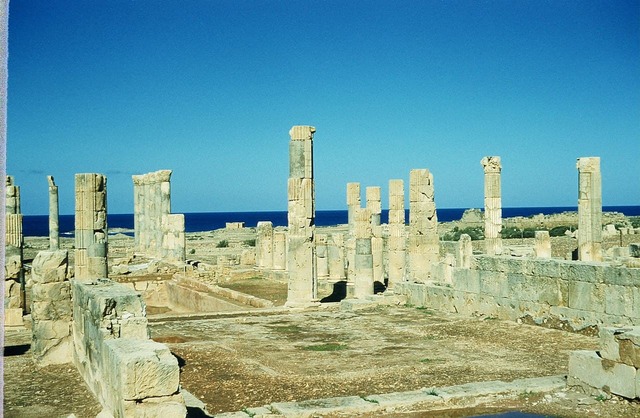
38,225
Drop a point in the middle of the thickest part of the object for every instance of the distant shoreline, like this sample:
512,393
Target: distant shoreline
38,225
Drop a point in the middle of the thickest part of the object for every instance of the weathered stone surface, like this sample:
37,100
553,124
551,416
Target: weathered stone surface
141,368
587,367
49,266
423,245
91,226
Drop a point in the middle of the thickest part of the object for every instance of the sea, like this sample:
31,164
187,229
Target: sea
38,225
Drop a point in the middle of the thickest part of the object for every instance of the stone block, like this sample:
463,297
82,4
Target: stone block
589,368
466,280
494,283
12,266
13,317
618,300
52,292
141,368
587,296
46,310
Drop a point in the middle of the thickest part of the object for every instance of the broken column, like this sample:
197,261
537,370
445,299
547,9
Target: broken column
54,233
14,300
465,251
542,247
363,260
158,232
279,250
396,243
301,217
492,205
264,245
589,209
91,226
353,201
51,309
423,246
322,257
335,253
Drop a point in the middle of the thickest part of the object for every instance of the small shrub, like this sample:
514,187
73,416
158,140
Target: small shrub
432,392
558,231
250,242
529,233
222,244
511,232
192,251
635,222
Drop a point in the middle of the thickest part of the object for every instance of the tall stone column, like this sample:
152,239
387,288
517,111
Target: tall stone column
301,218
322,258
542,248
423,246
54,231
91,226
492,205
589,209
363,260
396,242
14,286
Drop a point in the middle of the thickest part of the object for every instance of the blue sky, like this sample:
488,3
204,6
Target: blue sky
210,90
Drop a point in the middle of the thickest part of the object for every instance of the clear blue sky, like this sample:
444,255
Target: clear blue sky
210,89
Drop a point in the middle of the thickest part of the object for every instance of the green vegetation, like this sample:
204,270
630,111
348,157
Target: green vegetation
635,221
326,347
432,392
559,231
476,233
513,232
249,242
192,251
222,244
425,310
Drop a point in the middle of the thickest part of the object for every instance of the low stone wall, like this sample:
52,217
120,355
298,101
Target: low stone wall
128,373
546,290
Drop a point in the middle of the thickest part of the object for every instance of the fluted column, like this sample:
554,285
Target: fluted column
363,259
423,245
54,231
396,242
492,205
589,209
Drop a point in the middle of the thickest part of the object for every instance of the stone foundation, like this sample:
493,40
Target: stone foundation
130,375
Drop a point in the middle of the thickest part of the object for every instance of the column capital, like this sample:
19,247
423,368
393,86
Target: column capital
588,164
302,132
491,164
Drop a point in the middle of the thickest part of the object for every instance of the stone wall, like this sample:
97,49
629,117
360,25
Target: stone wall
129,374
580,294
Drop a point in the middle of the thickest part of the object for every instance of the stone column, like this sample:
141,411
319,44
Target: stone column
301,218
264,245
492,205
51,309
589,209
138,212
91,226
279,250
423,246
336,257
396,243
377,253
374,204
14,297
542,247
363,260
54,232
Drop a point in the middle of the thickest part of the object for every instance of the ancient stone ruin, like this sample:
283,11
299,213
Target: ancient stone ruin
158,233
91,226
